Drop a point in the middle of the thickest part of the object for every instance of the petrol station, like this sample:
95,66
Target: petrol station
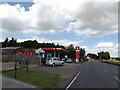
58,52
51,52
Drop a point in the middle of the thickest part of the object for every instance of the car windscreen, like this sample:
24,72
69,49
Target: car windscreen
49,59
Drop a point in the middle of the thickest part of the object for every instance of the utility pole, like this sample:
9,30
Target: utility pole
100,57
15,68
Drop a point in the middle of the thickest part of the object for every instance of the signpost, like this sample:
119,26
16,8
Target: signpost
21,63
66,57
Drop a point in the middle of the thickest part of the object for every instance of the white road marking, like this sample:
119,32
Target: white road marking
78,74
71,83
116,78
74,78
105,70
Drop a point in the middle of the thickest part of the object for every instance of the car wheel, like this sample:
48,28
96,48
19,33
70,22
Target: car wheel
53,64
62,64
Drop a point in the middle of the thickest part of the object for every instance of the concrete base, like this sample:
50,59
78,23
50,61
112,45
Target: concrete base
77,60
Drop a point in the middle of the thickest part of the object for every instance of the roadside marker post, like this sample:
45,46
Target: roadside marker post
15,68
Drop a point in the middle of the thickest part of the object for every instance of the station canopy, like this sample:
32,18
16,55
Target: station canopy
40,50
56,49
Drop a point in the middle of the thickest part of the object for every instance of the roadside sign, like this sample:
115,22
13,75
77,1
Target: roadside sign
39,56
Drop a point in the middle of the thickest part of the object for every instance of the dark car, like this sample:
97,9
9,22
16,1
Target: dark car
43,60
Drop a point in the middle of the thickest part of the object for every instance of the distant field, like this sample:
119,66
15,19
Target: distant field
114,62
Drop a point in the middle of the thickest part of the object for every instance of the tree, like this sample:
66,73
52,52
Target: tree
5,43
104,55
13,42
82,53
10,43
6,40
92,56
71,49
30,44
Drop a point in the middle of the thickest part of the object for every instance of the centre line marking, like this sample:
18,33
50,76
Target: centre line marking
105,70
116,78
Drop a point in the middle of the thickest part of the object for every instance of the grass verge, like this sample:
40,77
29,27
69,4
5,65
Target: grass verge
39,79
114,62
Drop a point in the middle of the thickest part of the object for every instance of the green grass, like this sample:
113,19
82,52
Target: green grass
39,79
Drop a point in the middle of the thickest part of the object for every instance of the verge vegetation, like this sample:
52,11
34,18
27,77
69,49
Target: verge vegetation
38,79
114,62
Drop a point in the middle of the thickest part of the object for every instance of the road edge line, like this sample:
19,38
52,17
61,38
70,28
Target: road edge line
74,78
71,83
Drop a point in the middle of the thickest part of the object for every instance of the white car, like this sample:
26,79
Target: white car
69,60
54,61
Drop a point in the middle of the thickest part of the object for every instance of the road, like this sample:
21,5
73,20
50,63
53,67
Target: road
12,83
96,74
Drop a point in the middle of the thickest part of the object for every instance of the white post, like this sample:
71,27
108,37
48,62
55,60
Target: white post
59,55
77,60
54,54
40,62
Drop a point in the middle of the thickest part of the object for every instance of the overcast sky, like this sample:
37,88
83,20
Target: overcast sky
90,25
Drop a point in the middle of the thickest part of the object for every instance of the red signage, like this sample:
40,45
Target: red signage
25,53
77,52
77,48
61,49
77,55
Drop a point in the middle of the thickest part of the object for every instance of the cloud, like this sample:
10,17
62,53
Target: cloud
84,47
13,18
97,19
104,45
17,0
44,17
110,47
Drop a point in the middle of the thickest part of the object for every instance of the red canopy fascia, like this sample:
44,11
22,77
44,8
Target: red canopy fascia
61,49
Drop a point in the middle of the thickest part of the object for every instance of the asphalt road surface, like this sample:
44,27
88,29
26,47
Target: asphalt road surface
96,74
12,83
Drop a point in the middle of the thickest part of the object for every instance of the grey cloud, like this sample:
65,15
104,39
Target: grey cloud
99,17
49,18
12,25
96,19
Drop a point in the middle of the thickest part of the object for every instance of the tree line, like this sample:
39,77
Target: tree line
28,44
35,45
100,55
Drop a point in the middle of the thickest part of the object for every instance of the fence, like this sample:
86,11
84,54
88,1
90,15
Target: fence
31,59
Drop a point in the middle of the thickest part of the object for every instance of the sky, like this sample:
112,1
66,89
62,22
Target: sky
91,25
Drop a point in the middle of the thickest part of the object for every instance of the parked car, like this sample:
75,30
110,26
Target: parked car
73,59
69,60
63,59
54,61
